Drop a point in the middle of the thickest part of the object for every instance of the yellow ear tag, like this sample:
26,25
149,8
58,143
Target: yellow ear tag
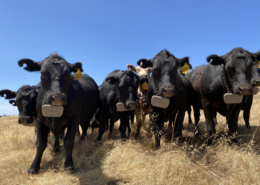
78,75
259,64
144,86
185,68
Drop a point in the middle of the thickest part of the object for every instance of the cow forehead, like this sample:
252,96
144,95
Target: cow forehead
166,64
55,65
141,71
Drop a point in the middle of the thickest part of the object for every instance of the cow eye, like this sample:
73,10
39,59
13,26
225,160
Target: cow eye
156,71
45,76
230,71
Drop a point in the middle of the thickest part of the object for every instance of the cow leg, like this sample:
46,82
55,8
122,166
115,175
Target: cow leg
196,111
232,121
209,115
69,143
189,114
157,126
84,127
124,122
42,137
56,146
139,119
128,128
172,121
102,123
179,122
246,114
132,117
111,126
61,136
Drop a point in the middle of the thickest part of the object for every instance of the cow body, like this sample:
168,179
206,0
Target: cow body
119,86
229,73
58,87
142,109
166,82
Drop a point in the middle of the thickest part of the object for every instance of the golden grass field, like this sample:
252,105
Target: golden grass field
117,162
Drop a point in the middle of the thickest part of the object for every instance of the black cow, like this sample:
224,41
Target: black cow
118,86
25,101
191,100
248,100
58,88
232,73
166,82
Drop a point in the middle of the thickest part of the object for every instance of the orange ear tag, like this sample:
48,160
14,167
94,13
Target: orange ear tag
78,75
258,64
144,86
185,68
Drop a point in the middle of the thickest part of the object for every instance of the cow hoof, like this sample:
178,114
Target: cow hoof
82,138
32,171
248,127
234,140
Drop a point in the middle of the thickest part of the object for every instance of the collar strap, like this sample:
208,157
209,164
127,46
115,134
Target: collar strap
117,91
224,78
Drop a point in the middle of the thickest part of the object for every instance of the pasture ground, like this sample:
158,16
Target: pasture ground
136,161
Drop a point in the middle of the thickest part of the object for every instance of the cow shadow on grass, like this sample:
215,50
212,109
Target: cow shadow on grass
88,158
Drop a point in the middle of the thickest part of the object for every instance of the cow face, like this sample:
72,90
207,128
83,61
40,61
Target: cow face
25,101
238,65
256,70
55,77
143,73
164,71
127,83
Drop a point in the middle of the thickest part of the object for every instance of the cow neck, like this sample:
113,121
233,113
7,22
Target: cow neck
225,77
223,74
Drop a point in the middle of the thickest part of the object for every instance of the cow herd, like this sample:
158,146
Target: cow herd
156,87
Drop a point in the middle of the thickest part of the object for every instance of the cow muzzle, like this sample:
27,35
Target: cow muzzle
58,99
256,82
168,91
245,90
131,106
24,120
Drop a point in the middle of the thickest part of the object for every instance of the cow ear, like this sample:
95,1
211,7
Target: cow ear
257,55
144,63
12,102
215,60
130,66
74,67
184,60
112,79
8,94
31,65
35,89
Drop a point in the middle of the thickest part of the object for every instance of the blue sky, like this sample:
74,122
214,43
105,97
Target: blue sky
106,35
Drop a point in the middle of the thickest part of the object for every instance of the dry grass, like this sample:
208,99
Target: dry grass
113,161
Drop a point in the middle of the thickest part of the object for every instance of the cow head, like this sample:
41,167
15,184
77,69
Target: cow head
164,71
55,77
143,73
256,70
25,101
127,83
238,65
